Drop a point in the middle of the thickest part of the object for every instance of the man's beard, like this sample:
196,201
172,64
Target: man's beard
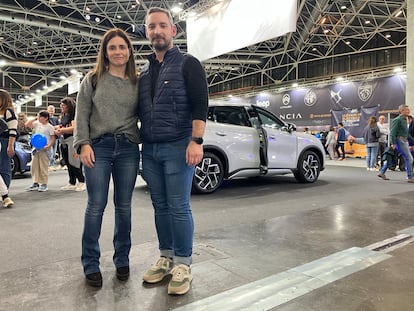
162,45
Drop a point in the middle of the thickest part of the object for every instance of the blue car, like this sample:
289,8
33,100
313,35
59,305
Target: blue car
20,162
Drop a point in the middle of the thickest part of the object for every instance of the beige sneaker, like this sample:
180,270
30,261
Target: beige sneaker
7,202
68,187
80,186
158,270
181,280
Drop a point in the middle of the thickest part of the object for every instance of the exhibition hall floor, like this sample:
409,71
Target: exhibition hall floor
335,245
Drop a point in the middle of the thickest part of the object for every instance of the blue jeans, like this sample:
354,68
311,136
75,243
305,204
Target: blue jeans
169,180
372,152
114,155
404,149
5,166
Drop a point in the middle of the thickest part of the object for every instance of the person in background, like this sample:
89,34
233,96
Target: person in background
7,137
383,141
399,136
40,161
371,136
173,101
107,137
24,132
65,130
331,143
55,122
340,141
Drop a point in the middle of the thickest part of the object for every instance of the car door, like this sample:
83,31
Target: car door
231,132
281,143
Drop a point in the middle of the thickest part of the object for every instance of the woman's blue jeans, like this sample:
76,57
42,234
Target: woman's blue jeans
372,152
169,180
5,166
404,149
115,156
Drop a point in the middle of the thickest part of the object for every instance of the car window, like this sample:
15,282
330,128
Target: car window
269,120
228,115
260,117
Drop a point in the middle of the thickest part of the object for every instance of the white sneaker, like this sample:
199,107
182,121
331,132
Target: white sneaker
80,186
68,187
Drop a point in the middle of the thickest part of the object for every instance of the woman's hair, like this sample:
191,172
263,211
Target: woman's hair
372,121
102,62
70,103
5,100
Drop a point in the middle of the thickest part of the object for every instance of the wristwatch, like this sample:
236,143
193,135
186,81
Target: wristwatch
197,140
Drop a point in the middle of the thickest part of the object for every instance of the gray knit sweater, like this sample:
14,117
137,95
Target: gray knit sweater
110,108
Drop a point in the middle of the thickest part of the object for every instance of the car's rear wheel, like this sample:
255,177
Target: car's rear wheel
209,174
308,168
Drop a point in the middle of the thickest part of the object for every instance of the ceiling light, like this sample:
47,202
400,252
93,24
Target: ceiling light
343,7
367,22
323,20
97,19
176,9
340,79
87,17
295,85
347,42
397,69
398,13
314,49
387,36
326,31
118,16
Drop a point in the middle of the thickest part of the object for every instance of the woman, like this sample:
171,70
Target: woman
107,138
7,139
65,131
371,136
331,142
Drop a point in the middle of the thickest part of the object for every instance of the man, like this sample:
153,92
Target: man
399,136
173,101
340,141
384,131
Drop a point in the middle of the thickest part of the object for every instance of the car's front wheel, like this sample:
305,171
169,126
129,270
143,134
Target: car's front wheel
14,162
308,168
209,174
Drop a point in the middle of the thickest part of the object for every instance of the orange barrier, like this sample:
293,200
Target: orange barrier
355,150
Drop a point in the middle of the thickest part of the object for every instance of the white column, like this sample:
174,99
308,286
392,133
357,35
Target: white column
409,93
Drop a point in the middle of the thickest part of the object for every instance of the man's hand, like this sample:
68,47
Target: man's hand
194,153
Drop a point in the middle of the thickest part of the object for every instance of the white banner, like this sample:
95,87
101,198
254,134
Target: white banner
234,24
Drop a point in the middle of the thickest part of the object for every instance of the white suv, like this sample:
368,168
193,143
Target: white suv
249,141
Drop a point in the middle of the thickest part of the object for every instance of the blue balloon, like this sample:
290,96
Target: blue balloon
318,135
38,140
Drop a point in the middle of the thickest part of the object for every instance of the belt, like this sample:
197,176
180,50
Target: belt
115,135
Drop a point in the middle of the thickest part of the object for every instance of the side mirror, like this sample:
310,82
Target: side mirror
289,127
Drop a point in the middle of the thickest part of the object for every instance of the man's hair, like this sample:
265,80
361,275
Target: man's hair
402,107
341,124
160,10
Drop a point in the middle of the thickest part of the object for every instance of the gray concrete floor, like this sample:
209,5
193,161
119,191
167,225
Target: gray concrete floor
268,244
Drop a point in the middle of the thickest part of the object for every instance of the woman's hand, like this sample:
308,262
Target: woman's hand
87,156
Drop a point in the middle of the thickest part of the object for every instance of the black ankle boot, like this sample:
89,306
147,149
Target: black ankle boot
94,279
